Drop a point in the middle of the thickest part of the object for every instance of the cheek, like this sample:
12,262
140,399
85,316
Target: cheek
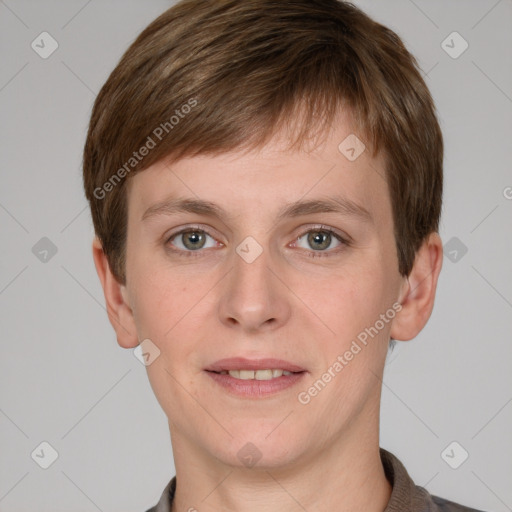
169,310
164,312
156,304
160,293
347,301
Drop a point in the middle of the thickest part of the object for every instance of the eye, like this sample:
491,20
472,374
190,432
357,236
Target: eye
320,239
191,239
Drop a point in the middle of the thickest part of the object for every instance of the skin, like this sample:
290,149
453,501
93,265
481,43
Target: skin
321,456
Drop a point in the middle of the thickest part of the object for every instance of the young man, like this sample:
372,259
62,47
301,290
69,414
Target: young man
265,181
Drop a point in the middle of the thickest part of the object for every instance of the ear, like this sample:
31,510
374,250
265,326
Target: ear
119,311
419,289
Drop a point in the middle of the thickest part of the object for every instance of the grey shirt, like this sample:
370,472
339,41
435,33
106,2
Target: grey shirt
405,496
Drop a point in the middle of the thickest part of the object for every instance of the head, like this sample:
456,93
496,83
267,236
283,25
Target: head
217,121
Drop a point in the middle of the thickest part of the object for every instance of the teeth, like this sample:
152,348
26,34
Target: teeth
263,375
256,374
245,374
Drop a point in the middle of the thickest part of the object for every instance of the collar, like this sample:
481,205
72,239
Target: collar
405,495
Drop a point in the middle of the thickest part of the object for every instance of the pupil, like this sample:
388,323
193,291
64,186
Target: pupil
320,238
192,239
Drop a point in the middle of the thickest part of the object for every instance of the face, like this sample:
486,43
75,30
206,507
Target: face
264,260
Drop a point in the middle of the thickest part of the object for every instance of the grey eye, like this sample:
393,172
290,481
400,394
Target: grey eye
318,240
191,240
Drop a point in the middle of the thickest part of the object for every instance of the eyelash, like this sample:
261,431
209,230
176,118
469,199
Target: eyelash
309,253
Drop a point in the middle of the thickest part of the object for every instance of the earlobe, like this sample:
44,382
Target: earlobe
119,311
419,290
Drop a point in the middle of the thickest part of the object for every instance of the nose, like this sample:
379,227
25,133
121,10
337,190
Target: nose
253,297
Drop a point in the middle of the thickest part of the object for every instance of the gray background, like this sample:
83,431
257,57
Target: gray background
64,379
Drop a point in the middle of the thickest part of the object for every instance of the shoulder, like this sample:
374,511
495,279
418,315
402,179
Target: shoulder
443,505
165,502
405,495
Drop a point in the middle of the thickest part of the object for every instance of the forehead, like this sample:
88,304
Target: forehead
271,180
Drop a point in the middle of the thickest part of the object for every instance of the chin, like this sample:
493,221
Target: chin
260,448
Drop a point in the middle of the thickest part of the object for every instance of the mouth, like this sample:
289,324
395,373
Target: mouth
267,374
251,378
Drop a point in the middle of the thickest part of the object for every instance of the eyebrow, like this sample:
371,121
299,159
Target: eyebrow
335,204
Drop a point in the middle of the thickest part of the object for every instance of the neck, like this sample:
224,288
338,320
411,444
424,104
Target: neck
344,476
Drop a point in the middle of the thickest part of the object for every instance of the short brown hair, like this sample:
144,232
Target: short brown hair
220,75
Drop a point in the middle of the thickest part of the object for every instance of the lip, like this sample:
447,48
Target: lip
241,363
254,388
